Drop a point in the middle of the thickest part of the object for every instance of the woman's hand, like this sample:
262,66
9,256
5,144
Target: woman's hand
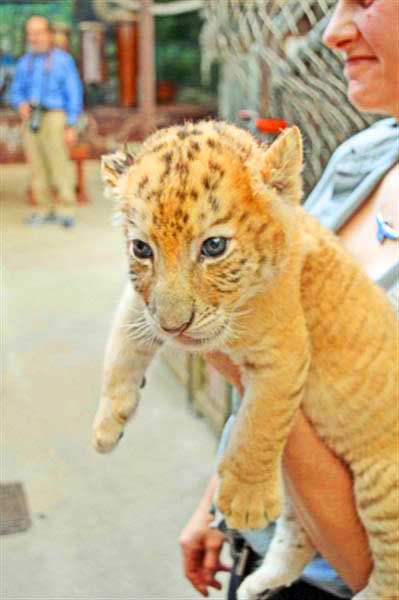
201,547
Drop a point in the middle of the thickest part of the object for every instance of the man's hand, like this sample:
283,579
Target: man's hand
201,547
24,111
70,136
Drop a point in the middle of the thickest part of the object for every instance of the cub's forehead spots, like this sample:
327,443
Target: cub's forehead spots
206,182
222,220
183,134
182,167
216,167
158,147
144,181
167,157
195,147
214,204
199,169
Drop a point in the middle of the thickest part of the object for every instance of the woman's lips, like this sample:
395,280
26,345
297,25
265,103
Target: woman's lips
357,63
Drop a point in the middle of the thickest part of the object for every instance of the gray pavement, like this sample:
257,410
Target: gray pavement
104,527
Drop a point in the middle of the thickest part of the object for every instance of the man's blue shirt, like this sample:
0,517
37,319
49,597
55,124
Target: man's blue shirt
50,79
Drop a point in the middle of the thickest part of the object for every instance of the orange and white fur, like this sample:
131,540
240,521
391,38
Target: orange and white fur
223,257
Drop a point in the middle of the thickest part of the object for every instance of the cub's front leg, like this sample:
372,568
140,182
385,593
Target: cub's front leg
127,356
250,492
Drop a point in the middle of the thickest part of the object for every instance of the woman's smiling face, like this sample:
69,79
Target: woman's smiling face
367,33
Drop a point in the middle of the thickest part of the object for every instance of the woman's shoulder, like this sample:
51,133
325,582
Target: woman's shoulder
383,132
380,140
354,170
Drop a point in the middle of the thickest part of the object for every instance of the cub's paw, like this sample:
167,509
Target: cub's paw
107,434
248,505
110,421
260,582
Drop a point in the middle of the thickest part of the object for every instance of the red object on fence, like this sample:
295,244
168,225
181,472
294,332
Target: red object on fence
272,126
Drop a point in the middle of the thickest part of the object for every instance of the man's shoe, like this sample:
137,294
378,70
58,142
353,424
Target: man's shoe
66,222
35,220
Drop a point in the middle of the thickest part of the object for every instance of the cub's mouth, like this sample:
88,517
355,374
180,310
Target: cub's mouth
197,342
190,341
211,337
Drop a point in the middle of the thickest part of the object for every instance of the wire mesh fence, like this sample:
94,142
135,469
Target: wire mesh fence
275,62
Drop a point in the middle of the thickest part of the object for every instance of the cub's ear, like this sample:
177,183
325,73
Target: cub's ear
113,166
282,165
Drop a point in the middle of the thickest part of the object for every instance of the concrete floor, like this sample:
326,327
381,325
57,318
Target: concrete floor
104,527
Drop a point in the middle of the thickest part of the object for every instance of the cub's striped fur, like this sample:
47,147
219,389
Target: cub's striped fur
222,256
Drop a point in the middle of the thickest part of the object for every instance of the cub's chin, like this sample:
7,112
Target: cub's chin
198,344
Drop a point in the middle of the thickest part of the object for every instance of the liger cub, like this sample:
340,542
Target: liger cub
223,257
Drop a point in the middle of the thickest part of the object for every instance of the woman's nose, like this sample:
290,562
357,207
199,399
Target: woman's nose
341,29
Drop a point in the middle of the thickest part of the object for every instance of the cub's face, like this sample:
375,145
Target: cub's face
202,233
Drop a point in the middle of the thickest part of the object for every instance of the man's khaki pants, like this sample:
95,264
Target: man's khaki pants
52,171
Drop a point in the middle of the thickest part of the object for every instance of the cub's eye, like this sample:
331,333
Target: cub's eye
213,247
140,249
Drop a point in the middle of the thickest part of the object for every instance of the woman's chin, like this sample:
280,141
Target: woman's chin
366,100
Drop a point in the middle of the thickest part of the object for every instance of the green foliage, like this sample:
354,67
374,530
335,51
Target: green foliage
179,63
185,27
178,56
13,16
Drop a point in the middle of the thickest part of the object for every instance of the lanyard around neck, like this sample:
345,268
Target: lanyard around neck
47,63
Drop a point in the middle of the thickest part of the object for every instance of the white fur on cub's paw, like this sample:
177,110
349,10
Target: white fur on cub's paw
110,422
261,581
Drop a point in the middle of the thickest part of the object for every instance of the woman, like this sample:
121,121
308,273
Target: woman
356,196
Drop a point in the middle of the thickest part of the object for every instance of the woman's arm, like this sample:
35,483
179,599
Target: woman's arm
321,489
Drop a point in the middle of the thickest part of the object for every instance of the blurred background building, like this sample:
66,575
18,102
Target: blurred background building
103,37
150,64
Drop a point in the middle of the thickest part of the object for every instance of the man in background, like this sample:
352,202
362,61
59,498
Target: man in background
47,92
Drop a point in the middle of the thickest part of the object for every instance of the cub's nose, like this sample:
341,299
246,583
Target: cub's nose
180,329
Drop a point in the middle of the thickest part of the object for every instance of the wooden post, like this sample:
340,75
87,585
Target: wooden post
126,39
147,94
92,57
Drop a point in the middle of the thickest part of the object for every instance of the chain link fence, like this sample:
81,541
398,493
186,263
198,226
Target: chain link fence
273,61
